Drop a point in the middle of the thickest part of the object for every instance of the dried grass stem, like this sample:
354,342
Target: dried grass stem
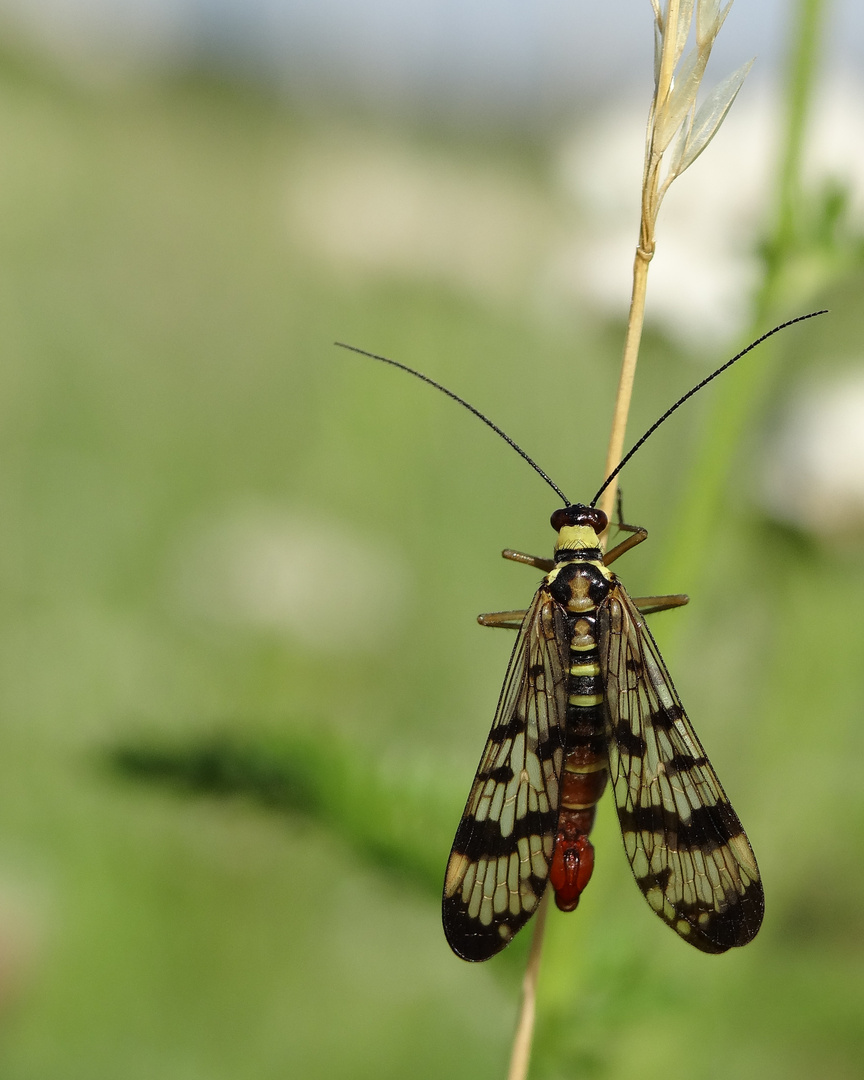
520,1057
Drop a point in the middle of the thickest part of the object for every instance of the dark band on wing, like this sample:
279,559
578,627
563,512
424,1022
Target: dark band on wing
713,931
472,940
709,827
474,836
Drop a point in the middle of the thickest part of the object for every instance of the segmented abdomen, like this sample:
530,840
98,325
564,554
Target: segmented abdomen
585,771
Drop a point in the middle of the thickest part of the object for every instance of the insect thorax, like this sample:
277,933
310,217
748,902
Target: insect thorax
579,584
577,541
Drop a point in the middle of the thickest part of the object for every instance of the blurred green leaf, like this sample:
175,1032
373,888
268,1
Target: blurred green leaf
395,822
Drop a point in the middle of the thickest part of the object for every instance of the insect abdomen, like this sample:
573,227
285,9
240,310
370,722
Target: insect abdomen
585,771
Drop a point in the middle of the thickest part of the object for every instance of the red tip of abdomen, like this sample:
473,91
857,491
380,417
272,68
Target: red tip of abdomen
571,868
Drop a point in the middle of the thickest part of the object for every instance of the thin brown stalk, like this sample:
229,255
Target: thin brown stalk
628,374
520,1057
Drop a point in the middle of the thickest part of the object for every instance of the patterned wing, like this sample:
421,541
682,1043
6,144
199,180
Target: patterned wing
689,854
497,871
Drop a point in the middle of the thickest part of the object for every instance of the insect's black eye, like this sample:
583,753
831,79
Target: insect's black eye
560,518
596,519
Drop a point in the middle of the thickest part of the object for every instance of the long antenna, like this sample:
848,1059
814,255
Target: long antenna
636,445
470,408
690,393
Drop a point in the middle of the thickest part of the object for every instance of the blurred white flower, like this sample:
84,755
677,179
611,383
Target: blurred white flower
263,568
814,468
375,207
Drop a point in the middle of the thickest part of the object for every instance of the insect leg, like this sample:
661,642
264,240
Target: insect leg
620,524
529,560
638,534
507,620
619,505
648,604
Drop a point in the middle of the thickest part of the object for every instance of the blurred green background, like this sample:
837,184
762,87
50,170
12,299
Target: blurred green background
242,692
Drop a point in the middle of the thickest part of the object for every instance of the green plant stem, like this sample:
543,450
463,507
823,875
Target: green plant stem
737,401
804,54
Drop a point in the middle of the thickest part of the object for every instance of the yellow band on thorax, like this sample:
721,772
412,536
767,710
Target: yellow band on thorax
576,538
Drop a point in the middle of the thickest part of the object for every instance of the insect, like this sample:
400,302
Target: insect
587,698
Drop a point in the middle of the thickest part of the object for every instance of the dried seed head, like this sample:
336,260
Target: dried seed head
678,131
